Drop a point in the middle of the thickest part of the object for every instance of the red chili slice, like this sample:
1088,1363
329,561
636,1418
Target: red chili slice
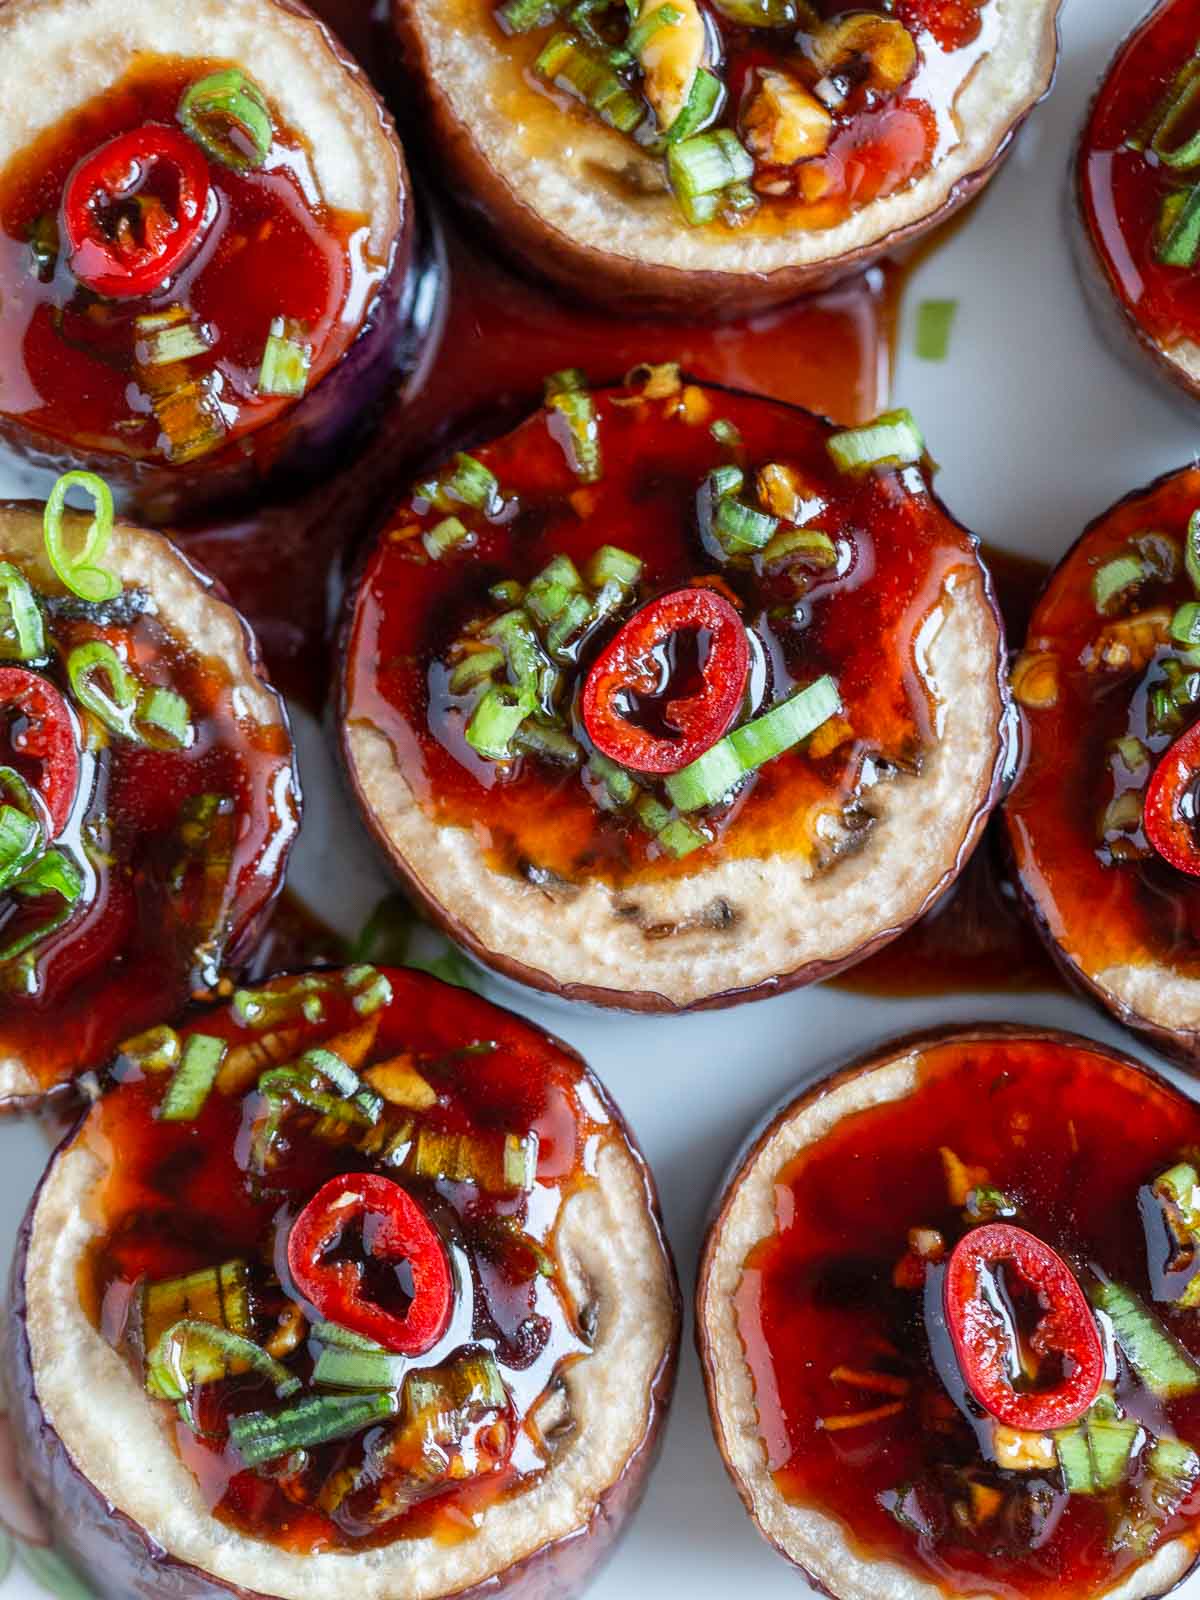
983,1343
42,730
1170,815
134,210
394,1229
637,665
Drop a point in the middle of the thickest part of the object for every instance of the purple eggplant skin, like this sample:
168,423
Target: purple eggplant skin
309,438
121,1560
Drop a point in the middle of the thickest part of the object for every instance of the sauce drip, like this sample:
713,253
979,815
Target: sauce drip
69,361
818,1295
183,1198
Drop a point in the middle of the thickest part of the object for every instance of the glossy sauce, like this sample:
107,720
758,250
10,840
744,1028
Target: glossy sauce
1067,1134
151,926
181,1198
1108,898
859,621
881,140
68,358
1122,190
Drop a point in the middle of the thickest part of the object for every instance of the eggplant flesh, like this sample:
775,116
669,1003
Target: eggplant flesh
101,1461
65,52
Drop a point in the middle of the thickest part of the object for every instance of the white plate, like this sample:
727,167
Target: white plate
1038,427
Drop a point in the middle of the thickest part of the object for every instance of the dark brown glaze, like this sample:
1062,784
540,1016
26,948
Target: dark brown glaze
117,1553
847,1492
626,282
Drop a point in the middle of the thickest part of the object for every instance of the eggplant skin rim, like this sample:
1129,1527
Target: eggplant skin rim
1118,324
634,284
308,435
647,1001
876,1057
128,1562
1180,1045
61,1096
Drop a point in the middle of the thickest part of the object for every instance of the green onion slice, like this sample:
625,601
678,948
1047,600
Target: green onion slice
52,873
523,16
103,685
342,1366
1178,109
262,1437
568,397
1160,1361
20,841
267,1008
164,718
1185,624
80,571
156,1050
892,440
165,337
703,103
1177,233
194,1077
444,536
495,720
191,1353
1114,578
740,529
226,114
567,63
701,166
611,565
286,361
711,777
22,636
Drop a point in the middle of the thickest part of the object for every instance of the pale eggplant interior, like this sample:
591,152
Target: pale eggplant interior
819,1543
1155,994
573,182
742,922
616,1273
185,605
64,52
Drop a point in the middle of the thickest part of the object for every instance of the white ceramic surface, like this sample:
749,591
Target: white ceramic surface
1038,427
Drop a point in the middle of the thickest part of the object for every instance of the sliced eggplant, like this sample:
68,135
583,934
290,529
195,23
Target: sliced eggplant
1137,185
206,244
720,158
212,1301
151,766
1099,820
859,737
862,1422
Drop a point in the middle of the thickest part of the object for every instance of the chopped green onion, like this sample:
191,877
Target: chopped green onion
20,841
1183,92
701,166
498,1163
304,1087
935,319
619,785
652,814
22,637
726,433
680,837
1155,1355
495,720
725,480
549,592
191,1353
344,1338
467,482
342,1367
80,571
569,65
52,873
1112,579
156,1050
808,544
1133,753
286,361
1173,1201
267,1008
572,619
523,16
646,27
740,529
1185,624
194,1077
1173,1459
218,1295
370,990
261,1437
711,777
165,337
568,396
892,440
475,669
226,114
191,418
548,742
703,102
1094,1453
530,670
1191,550
1177,235
167,714
611,565
508,592
443,536
89,666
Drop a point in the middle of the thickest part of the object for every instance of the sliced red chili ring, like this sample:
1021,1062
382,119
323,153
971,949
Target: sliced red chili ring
1171,813
135,209
638,666
42,730
394,1230
984,1339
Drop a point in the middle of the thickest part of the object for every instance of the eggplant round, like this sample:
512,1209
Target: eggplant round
536,863
591,208
1104,692
338,199
104,1460
176,844
837,1402
1138,285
